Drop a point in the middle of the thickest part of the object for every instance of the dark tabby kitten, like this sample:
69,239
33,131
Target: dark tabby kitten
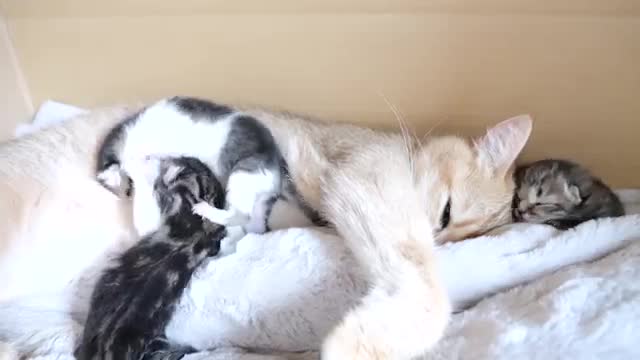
134,299
562,194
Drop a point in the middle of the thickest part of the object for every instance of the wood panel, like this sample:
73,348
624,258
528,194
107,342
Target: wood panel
102,8
15,106
572,65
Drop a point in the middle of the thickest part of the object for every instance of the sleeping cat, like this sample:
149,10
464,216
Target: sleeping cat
389,196
134,299
561,193
239,150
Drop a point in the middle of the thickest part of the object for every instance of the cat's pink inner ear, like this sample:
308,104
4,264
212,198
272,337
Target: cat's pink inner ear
502,143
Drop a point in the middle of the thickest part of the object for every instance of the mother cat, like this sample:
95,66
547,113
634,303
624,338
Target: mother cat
389,197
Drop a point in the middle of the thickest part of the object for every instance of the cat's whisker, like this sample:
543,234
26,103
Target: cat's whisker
433,127
408,136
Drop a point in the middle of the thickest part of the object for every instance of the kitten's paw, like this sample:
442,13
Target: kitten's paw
113,180
204,210
219,216
229,244
111,177
257,225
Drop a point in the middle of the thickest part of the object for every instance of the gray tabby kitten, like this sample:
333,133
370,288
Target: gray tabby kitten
240,151
562,194
134,299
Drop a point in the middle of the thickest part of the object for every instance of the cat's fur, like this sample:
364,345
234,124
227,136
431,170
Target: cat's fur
385,194
561,193
134,299
237,148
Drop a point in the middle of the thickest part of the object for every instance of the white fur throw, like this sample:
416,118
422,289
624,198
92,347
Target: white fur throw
283,291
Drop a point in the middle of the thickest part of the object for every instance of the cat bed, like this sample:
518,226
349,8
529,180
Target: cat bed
523,291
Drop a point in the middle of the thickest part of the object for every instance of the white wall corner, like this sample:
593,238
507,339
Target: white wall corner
16,105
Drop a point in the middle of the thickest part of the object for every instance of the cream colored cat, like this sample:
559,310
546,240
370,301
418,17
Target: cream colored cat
390,199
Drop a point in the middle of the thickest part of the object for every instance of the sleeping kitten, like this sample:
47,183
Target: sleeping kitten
562,194
240,151
135,298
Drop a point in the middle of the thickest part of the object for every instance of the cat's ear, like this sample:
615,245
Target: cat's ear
501,145
572,192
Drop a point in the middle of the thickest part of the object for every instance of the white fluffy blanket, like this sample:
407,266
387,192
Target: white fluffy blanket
283,291
523,292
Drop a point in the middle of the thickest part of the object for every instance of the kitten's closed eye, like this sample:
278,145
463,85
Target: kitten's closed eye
551,208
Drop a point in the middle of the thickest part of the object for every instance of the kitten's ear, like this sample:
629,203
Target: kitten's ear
572,192
501,145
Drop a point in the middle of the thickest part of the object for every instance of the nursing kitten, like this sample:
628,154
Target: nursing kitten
134,299
562,194
239,150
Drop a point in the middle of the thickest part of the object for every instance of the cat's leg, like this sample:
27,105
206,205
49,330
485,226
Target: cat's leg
261,212
389,232
252,192
229,243
147,215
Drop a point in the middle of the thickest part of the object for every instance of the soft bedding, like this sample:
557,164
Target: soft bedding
524,291
283,291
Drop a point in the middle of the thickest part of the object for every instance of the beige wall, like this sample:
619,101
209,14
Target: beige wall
461,65
15,106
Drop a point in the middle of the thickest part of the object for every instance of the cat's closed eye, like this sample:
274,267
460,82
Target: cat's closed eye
445,218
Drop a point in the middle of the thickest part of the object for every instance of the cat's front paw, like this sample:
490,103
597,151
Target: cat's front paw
400,325
350,341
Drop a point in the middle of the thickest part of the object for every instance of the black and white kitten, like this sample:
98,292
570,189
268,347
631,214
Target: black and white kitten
240,151
134,299
561,193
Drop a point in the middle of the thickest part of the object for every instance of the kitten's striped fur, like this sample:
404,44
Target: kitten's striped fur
134,299
561,193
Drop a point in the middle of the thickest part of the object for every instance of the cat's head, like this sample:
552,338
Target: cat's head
471,182
182,182
544,192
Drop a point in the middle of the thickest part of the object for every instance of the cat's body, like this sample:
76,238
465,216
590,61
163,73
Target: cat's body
239,150
561,193
134,299
388,197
